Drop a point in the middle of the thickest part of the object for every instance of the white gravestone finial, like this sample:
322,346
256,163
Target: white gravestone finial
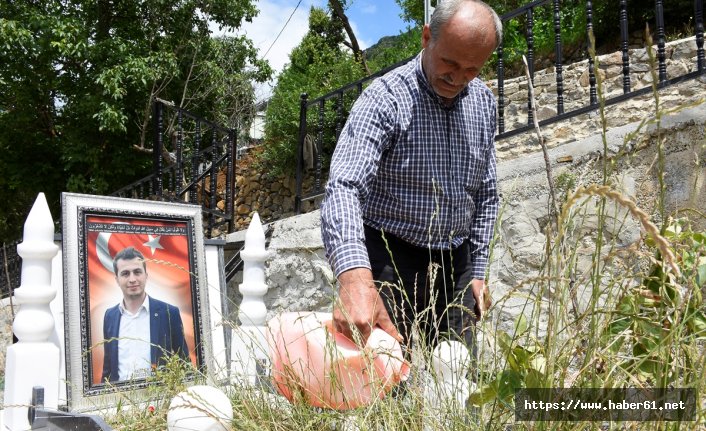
249,348
33,361
253,288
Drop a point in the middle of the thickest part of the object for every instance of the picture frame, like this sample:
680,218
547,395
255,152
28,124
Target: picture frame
169,236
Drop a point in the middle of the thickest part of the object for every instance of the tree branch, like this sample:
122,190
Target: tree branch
337,9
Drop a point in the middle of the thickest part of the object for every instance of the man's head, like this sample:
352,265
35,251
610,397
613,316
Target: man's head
130,273
459,39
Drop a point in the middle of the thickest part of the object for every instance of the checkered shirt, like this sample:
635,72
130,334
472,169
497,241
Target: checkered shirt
412,167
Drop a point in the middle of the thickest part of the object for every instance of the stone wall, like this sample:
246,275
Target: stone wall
271,196
274,197
299,277
632,166
680,58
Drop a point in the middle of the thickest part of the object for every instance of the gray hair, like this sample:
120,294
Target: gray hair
446,9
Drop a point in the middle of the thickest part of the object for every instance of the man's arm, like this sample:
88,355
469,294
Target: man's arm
353,169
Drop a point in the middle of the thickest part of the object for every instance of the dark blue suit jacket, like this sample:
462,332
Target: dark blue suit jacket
166,337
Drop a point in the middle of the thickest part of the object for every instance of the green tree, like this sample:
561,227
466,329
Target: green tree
413,11
78,78
316,66
338,10
393,49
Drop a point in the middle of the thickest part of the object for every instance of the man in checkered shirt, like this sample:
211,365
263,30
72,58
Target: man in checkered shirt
412,196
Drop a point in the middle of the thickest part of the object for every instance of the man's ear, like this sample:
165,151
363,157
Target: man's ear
426,35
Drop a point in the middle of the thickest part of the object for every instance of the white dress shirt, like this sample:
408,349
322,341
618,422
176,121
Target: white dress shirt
134,346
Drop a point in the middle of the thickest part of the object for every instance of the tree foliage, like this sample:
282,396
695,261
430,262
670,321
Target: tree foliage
319,64
413,11
78,77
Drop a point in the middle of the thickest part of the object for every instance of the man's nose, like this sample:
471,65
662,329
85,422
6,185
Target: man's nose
464,78
456,79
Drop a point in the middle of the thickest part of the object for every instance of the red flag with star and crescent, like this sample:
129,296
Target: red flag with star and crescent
165,246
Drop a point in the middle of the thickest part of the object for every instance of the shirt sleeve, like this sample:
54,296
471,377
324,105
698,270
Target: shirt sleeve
353,169
486,201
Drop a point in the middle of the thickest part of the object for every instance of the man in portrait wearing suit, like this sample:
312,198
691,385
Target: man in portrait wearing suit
140,332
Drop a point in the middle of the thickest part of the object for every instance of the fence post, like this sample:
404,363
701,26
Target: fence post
33,360
593,98
195,157
158,145
179,150
319,147
501,89
300,153
213,183
231,192
558,59
530,62
699,20
661,54
624,45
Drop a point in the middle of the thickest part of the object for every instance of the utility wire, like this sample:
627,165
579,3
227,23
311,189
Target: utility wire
280,32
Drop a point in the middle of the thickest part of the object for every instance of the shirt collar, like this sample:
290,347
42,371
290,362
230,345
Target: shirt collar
424,83
145,305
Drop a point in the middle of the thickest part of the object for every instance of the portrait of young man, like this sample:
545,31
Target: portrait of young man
140,332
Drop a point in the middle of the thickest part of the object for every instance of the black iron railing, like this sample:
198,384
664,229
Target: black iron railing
592,103
194,163
342,99
318,132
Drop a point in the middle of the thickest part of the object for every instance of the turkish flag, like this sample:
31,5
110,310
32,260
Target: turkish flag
165,246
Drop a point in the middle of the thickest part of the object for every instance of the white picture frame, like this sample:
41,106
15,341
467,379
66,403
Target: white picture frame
170,236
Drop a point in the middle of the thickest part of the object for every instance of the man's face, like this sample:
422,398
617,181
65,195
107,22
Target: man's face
131,278
458,54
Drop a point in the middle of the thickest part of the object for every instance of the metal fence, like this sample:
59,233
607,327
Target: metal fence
322,119
194,163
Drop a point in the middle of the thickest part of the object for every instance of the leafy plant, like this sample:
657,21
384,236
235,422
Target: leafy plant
654,319
525,366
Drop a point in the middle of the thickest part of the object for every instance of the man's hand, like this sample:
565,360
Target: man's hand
360,306
482,296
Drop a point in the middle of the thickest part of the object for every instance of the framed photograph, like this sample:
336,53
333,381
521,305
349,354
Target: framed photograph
135,295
